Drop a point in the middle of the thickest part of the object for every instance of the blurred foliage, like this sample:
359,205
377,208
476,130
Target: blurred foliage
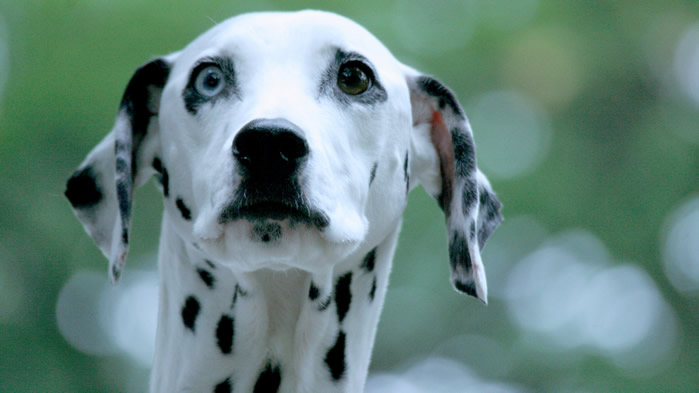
624,152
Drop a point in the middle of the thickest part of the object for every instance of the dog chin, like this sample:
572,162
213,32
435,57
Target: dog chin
277,244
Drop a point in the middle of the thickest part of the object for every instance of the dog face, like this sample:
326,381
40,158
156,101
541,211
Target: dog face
287,140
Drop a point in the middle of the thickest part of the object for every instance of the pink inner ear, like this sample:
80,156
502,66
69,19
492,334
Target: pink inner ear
441,139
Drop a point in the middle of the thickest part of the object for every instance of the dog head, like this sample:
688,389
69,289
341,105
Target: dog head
287,140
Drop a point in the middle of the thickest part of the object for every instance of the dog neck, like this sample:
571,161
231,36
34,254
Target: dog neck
265,331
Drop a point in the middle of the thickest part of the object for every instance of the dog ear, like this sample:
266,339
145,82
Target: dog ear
101,189
444,162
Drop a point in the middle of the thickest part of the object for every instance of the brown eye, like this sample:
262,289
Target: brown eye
353,78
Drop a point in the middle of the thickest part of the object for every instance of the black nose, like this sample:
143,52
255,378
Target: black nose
270,147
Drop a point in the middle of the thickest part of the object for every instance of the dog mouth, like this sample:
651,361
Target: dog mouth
295,211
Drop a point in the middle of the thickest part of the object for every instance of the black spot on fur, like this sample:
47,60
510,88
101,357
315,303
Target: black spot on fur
369,261
472,230
163,176
372,176
335,358
343,295
267,232
445,97
224,387
466,287
372,291
82,190
313,292
225,333
489,215
469,195
269,380
124,235
464,152
190,311
207,277
210,264
323,305
123,191
406,175
184,210
238,291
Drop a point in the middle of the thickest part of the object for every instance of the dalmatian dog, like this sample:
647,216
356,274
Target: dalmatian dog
285,145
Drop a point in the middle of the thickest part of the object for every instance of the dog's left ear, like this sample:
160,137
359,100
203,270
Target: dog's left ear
444,162
101,190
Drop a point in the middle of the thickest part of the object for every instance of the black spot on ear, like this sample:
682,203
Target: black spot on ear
369,261
444,96
469,195
472,230
313,292
343,295
225,333
207,277
335,358
406,175
372,176
468,288
163,176
190,311
372,291
464,152
224,387
184,210
269,380
82,190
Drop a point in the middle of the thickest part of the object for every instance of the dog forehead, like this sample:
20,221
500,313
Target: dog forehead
270,35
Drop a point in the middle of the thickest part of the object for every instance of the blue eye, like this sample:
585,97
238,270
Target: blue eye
209,81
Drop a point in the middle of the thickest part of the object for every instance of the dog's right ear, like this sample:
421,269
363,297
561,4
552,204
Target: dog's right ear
101,189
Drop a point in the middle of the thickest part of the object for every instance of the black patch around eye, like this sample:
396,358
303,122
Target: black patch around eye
343,295
82,190
190,311
445,97
369,261
372,176
464,152
335,358
269,379
375,94
225,334
207,277
372,291
184,210
193,100
224,387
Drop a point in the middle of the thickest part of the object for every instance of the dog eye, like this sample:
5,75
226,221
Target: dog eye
209,81
353,78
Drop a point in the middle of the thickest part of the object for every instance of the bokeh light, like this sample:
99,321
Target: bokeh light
513,133
681,247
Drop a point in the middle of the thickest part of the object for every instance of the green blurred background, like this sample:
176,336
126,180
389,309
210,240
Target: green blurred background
586,116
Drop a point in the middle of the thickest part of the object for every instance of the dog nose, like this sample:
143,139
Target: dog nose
270,147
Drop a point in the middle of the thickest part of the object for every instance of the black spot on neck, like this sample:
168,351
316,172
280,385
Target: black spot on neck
313,292
224,387
190,311
369,261
372,176
372,291
163,176
206,276
343,295
225,334
184,210
335,358
82,190
269,380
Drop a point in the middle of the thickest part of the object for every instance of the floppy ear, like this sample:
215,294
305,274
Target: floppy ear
444,162
101,189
